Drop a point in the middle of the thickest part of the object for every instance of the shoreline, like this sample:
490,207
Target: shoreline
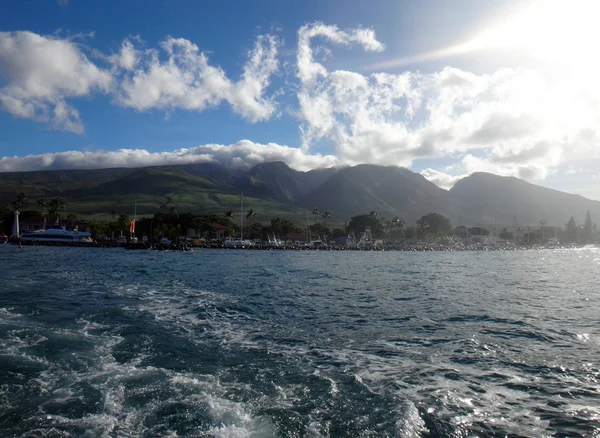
267,247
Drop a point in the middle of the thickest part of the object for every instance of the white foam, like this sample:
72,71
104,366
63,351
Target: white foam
8,313
410,424
233,418
317,430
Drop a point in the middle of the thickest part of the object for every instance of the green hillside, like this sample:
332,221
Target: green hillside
274,189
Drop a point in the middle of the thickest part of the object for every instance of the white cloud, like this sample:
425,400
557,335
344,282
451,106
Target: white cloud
186,80
308,69
128,56
243,154
440,178
512,121
41,72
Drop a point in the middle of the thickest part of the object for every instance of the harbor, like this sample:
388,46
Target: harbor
266,246
176,231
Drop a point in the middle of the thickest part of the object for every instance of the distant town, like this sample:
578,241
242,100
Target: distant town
49,225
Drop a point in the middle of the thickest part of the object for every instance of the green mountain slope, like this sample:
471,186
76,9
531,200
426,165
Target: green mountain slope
485,198
389,191
272,189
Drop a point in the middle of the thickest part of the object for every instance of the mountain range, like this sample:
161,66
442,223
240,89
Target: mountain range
276,189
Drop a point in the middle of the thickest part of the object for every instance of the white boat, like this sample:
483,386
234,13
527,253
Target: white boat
554,241
489,241
57,233
318,243
274,241
366,240
238,242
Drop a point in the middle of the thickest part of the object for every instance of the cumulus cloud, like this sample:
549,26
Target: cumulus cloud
440,178
186,80
512,121
127,58
243,154
308,69
41,72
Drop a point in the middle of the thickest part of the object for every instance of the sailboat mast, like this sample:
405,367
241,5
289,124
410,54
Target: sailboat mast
242,219
308,236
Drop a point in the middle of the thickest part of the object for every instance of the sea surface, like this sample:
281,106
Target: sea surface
232,343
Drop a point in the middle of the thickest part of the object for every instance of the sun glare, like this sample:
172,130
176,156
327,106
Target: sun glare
559,32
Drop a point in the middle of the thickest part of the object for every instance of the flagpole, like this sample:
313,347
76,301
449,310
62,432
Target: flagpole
132,225
242,219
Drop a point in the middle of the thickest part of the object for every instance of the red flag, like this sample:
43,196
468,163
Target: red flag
132,226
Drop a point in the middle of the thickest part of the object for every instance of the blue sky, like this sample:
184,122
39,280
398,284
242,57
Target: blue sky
445,88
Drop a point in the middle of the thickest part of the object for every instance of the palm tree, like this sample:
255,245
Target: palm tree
397,222
276,224
394,224
42,204
113,213
56,207
315,213
123,222
173,213
228,216
19,202
71,220
326,216
197,223
251,213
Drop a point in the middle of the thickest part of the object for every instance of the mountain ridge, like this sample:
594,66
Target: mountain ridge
273,188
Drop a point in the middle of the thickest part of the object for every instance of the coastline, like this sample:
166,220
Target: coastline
296,247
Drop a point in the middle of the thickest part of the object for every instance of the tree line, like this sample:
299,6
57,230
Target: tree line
175,223
50,211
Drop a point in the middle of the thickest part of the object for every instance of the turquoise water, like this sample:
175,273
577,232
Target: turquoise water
222,343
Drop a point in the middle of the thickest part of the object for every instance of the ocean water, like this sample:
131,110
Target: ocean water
224,343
